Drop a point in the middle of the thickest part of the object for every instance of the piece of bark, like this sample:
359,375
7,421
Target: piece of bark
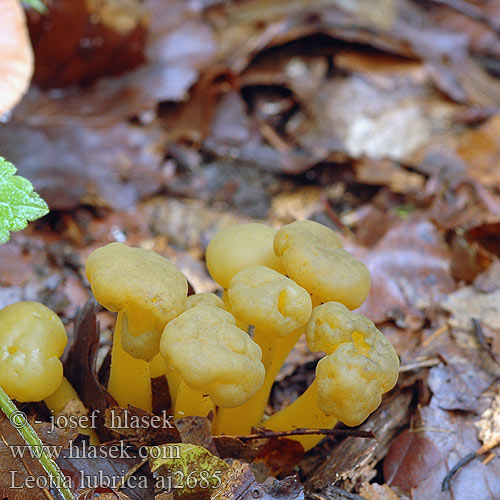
353,459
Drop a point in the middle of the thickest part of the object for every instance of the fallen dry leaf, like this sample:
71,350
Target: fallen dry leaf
410,271
70,166
80,366
238,483
409,460
17,56
374,491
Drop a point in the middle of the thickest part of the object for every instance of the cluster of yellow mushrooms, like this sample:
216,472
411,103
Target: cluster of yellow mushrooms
284,283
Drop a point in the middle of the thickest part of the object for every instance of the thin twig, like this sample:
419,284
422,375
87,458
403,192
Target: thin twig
492,443
262,434
479,334
463,461
417,365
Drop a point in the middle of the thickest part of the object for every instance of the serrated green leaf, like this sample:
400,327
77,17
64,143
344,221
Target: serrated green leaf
186,469
18,203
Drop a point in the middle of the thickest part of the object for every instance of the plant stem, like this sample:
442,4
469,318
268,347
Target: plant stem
19,421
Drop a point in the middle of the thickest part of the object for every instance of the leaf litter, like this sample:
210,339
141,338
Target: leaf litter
378,123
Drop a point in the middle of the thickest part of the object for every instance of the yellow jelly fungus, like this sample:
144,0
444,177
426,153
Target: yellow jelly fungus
237,247
215,360
32,338
279,309
359,367
149,291
313,257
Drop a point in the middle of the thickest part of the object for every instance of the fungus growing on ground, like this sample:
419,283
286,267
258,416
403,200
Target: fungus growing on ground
218,363
32,339
238,247
360,365
157,365
278,308
313,257
147,291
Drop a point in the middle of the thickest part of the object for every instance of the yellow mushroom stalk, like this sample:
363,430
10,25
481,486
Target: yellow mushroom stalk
218,363
279,309
32,339
313,257
149,291
359,367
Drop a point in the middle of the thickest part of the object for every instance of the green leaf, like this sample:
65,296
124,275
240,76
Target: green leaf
18,203
36,4
186,469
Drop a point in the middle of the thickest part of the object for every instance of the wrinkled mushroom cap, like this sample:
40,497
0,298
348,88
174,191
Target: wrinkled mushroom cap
32,338
212,354
270,301
332,324
148,288
360,365
204,299
314,258
240,246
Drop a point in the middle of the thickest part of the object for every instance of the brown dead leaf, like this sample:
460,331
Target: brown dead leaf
17,56
409,460
20,474
144,427
465,204
455,437
488,426
479,149
238,483
232,447
196,430
353,460
390,174
280,456
374,491
410,271
77,165
481,300
105,38
353,116
80,366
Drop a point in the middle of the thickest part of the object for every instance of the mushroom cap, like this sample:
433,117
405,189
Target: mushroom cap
360,366
240,246
270,301
212,354
32,338
314,258
147,287
204,299
332,324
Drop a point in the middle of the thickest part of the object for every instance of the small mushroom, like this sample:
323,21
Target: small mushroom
360,365
314,258
32,339
238,247
279,310
148,291
157,365
217,362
